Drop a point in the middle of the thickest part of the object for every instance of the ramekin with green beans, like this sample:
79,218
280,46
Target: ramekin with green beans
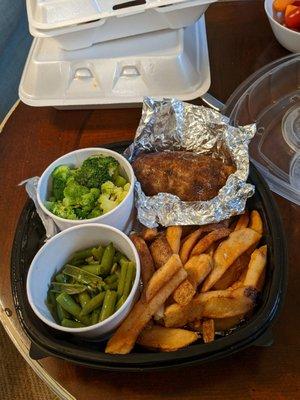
90,287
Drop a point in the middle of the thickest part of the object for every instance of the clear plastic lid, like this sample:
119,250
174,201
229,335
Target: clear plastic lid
272,101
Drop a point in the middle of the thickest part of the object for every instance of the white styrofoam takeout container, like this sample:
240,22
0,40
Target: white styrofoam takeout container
56,252
288,38
163,64
120,217
174,16
53,14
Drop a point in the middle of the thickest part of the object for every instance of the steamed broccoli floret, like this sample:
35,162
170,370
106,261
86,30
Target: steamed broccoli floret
120,181
107,188
96,170
96,212
111,196
73,193
106,204
60,176
63,211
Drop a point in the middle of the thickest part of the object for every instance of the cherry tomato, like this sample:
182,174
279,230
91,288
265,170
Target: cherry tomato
292,19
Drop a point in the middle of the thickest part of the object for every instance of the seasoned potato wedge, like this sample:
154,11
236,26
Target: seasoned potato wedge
162,276
197,267
205,243
149,234
208,330
227,303
166,339
160,251
147,264
256,267
184,293
243,221
173,235
256,222
233,273
228,251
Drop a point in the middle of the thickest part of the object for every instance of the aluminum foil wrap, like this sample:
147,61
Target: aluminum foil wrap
170,125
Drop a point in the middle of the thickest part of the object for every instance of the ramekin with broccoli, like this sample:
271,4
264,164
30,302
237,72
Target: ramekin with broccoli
89,191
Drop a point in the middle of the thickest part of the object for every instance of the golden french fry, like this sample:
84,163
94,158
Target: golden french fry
160,251
224,304
125,336
224,324
173,235
147,264
166,339
243,221
208,330
176,315
256,222
184,293
149,234
188,244
256,267
162,276
238,302
233,273
197,267
228,251
209,239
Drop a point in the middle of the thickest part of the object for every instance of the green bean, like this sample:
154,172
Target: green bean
68,323
98,253
120,302
94,303
122,278
107,259
83,298
111,278
91,261
81,255
114,268
95,316
69,304
128,280
118,256
108,304
61,313
61,278
51,304
69,288
92,268
82,276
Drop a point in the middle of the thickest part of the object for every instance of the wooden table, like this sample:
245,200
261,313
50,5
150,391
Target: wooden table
240,42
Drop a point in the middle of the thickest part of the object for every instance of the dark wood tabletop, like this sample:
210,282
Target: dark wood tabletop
240,42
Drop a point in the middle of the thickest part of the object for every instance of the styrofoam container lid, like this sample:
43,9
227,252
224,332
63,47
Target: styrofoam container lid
169,63
272,101
52,14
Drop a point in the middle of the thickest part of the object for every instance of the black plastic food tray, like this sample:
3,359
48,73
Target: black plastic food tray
29,237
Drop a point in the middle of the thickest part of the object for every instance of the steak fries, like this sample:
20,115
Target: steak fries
194,287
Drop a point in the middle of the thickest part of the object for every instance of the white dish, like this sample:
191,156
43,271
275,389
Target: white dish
56,252
165,64
120,217
286,37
